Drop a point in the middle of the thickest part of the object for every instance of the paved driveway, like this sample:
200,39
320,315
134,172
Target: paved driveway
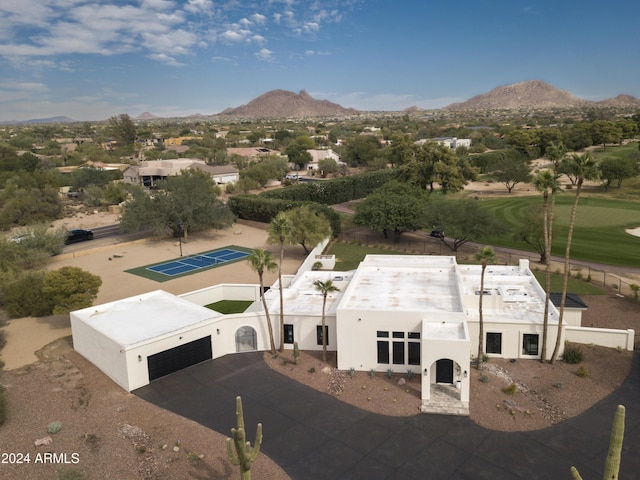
313,436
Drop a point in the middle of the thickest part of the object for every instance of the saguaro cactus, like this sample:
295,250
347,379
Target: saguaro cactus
612,465
244,454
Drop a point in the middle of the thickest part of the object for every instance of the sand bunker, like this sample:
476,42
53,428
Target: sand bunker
634,231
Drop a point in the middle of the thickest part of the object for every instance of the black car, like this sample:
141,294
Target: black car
78,235
437,234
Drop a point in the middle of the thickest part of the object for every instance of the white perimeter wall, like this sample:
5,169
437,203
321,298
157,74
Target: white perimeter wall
604,337
225,291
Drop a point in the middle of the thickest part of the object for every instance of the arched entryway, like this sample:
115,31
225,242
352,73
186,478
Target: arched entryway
444,370
246,339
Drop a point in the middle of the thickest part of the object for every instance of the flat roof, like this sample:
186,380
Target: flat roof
522,299
404,283
302,297
443,331
143,317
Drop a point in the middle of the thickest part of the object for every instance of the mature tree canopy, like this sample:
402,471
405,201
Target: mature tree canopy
361,149
309,227
70,288
605,131
394,208
615,170
261,172
531,230
512,172
184,203
297,151
122,129
461,221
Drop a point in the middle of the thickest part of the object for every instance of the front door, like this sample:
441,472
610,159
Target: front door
444,371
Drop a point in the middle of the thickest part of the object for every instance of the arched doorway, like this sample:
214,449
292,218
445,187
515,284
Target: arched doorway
246,339
444,371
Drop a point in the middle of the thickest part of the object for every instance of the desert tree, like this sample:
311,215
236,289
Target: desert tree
485,256
309,227
279,233
325,288
546,182
587,170
262,261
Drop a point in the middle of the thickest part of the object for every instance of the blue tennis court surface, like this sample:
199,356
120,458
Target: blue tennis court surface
196,262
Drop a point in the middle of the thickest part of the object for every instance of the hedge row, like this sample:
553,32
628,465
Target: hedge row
338,190
261,209
489,161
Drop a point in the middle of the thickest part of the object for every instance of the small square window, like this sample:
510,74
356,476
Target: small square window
319,334
382,334
288,333
398,334
413,335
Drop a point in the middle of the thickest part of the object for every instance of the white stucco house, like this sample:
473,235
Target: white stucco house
149,172
394,312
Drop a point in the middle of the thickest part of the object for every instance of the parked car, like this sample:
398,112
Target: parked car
78,235
437,234
292,176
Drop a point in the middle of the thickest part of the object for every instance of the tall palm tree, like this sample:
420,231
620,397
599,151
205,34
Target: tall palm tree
485,256
586,169
325,288
545,182
280,230
262,261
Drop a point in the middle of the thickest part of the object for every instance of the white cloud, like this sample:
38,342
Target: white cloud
265,54
311,27
258,18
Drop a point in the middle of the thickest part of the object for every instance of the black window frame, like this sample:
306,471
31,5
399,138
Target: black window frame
526,345
383,352
289,337
319,334
489,345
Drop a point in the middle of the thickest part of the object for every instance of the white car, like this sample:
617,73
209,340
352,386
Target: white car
292,176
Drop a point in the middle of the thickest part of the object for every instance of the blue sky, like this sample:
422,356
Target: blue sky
90,59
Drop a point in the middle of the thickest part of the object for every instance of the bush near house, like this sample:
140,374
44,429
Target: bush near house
572,354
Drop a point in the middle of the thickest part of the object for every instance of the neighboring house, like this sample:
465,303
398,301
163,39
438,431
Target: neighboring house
451,142
321,154
393,313
149,172
252,154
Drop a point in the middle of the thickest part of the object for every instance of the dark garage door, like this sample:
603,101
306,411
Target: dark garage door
177,358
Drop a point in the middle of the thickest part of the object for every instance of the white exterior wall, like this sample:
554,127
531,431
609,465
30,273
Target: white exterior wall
357,338
512,335
100,350
604,337
305,331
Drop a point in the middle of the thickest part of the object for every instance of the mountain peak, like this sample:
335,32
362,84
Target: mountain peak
286,104
529,94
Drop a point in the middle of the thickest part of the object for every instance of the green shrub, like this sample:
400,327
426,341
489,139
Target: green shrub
352,372
572,354
312,370
510,389
484,378
24,298
3,339
582,371
372,373
54,427
389,373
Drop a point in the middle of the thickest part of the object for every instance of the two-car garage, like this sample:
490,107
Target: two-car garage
143,338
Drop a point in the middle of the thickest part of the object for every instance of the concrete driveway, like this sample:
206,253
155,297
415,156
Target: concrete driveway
313,436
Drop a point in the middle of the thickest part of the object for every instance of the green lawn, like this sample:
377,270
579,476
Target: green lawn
349,256
599,234
229,306
579,287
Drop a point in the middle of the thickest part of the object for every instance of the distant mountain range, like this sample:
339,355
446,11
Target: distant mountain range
285,104
534,94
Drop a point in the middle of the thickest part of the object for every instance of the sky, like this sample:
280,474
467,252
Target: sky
90,60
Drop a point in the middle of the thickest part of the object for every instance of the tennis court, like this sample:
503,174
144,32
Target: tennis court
191,264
